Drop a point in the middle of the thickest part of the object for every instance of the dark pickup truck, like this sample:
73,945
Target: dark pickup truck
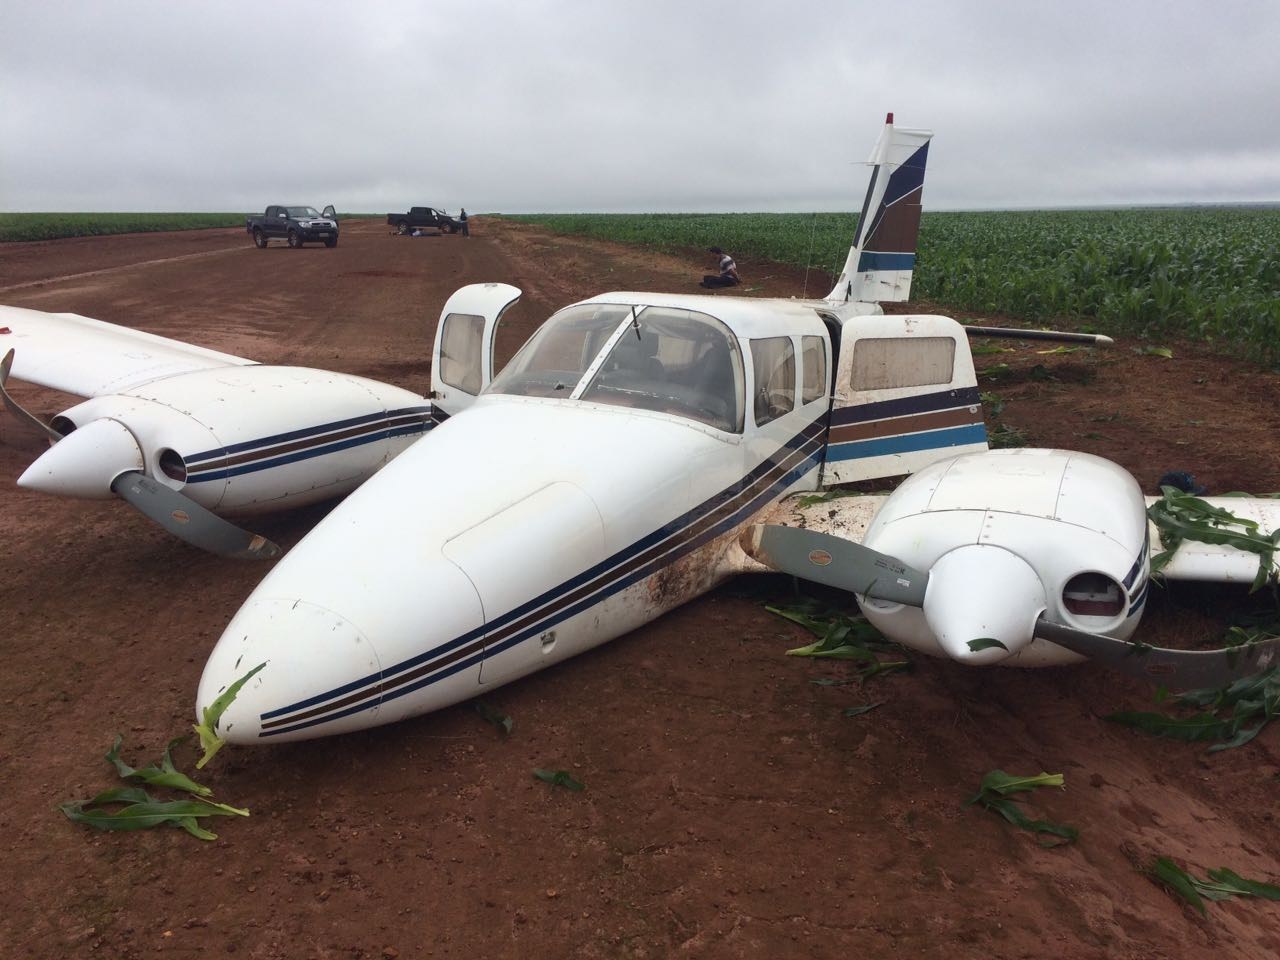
418,217
296,225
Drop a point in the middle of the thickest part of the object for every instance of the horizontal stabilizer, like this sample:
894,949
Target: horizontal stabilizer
1013,333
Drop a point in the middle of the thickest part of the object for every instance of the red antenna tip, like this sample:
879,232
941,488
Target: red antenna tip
888,118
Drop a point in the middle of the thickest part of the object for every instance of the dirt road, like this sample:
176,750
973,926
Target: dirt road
731,810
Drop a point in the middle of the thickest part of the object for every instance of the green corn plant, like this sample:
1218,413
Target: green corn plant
999,793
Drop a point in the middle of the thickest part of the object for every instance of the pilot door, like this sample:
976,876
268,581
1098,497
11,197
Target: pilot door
462,361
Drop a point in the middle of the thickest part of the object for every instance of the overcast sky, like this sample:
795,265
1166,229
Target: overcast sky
538,105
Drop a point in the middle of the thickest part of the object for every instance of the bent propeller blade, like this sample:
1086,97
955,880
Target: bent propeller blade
1177,669
836,562
189,521
15,408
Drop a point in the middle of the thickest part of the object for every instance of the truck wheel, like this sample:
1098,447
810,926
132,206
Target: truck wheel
453,229
294,239
402,227
259,240
331,242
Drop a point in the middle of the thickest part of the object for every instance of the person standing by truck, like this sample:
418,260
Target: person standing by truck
462,219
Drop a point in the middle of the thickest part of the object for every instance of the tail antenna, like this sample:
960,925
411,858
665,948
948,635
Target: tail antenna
809,262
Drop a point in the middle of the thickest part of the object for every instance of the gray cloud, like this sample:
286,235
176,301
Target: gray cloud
663,106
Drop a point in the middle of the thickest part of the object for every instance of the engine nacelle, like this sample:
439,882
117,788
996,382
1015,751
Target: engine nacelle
1077,521
243,439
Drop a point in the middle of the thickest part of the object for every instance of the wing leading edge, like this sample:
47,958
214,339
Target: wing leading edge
1220,562
91,358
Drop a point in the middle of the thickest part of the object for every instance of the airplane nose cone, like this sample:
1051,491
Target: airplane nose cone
982,592
324,665
85,462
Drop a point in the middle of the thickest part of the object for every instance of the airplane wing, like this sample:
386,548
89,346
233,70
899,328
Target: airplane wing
847,517
1202,560
91,357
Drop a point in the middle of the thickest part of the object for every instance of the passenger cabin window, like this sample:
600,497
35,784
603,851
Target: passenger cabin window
814,359
554,359
460,345
674,361
774,361
882,363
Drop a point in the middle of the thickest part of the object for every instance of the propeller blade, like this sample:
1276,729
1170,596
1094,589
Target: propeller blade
1177,669
189,521
15,408
836,562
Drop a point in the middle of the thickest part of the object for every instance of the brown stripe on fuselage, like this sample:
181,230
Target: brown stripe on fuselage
917,423
552,607
265,453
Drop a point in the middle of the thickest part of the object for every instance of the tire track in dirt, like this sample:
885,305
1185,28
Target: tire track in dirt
63,278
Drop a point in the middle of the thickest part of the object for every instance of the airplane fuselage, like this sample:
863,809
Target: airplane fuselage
523,531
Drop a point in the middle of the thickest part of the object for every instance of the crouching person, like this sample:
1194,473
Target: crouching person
728,275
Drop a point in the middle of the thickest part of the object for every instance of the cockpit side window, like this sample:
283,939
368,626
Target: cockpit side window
555,358
774,361
814,358
675,361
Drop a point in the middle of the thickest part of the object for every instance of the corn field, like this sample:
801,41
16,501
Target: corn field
51,226
1210,274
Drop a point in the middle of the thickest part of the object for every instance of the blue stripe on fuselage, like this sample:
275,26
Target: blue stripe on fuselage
195,458
310,452
907,443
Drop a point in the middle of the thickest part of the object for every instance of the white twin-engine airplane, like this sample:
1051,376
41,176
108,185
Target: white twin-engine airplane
640,449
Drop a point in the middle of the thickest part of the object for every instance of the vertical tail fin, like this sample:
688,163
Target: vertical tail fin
883,255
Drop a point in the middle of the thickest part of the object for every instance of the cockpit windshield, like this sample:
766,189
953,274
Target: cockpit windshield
556,357
302,213
664,359
674,361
